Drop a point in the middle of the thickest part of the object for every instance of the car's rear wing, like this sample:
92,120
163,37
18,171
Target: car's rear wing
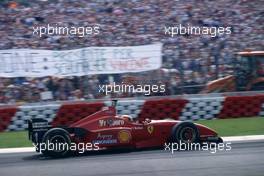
37,128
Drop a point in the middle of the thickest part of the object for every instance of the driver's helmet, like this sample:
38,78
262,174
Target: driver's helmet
127,118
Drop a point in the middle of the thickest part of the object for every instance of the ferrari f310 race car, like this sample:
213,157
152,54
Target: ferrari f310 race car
107,130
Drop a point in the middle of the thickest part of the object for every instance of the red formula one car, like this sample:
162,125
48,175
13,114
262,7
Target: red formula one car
106,130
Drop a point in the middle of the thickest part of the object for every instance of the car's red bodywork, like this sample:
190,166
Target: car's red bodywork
110,131
107,130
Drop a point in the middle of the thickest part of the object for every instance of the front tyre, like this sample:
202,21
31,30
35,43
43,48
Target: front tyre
57,142
185,132
220,140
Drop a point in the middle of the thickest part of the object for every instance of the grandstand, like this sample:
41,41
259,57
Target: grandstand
189,61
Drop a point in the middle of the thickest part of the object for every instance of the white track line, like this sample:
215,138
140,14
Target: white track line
17,150
244,138
226,139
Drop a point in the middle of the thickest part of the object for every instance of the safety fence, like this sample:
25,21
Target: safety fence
14,118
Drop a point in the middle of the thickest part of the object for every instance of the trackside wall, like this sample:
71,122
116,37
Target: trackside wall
14,118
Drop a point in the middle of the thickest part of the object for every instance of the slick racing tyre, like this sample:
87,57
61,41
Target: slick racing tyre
57,142
185,132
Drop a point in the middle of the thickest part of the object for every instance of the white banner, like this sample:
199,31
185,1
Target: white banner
78,62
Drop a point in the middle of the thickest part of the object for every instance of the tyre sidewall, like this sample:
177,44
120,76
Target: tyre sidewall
56,132
177,129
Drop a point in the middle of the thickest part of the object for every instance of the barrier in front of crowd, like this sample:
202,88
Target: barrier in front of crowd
14,118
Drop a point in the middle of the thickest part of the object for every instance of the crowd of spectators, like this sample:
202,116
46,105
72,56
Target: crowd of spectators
188,60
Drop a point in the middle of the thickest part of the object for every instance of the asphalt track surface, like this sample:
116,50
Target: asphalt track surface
245,159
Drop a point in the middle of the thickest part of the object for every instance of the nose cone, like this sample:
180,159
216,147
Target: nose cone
205,131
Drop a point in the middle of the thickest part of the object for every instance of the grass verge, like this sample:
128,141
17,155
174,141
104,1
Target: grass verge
14,139
236,127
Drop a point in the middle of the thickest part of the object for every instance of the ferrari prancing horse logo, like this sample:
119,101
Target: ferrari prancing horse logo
150,129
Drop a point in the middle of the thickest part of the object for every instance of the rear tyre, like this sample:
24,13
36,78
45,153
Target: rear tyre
58,141
185,132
